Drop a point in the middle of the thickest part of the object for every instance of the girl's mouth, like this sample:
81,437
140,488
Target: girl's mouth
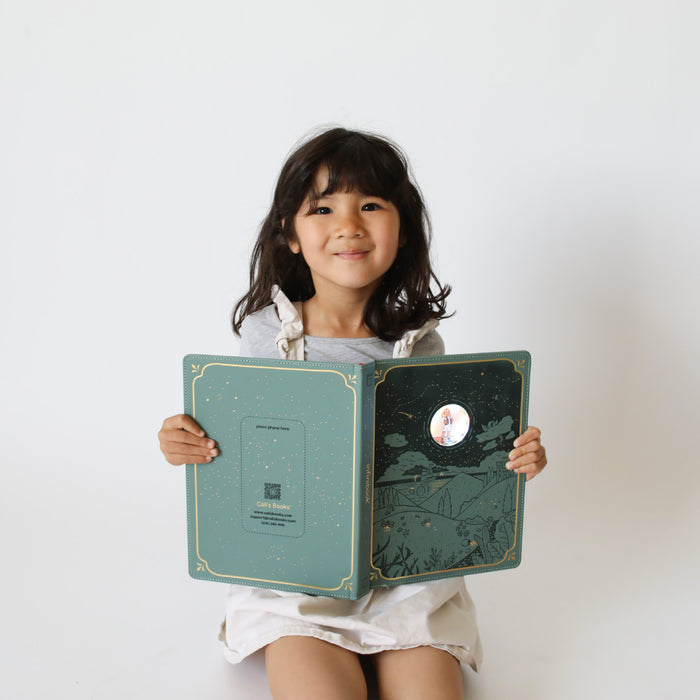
352,254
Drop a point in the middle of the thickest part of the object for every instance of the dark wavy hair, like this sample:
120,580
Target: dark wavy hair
373,165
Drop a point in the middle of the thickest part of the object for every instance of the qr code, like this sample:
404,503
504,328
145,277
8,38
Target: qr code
273,492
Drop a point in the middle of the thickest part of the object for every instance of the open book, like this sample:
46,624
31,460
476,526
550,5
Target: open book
335,478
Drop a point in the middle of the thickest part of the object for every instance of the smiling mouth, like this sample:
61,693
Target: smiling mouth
351,254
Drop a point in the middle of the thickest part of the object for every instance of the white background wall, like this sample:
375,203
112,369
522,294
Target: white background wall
558,147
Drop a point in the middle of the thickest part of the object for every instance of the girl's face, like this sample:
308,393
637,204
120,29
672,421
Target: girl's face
349,240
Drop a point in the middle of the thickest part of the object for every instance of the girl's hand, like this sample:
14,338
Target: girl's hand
182,441
528,456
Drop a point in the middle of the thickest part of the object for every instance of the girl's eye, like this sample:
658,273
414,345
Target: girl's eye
371,206
322,210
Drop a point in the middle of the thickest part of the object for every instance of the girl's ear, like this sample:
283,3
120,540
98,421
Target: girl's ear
293,244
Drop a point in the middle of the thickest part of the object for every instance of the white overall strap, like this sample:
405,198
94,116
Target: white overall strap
403,347
290,339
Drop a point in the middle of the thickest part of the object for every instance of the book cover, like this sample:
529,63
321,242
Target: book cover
333,478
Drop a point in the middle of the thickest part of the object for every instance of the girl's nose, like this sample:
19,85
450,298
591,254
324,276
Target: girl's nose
349,226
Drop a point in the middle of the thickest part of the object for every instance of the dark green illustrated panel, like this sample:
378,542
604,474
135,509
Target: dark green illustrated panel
443,499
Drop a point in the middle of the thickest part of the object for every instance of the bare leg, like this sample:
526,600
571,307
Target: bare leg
308,668
421,673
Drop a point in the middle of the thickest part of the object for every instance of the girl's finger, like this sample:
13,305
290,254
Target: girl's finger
182,437
524,460
531,469
530,435
529,448
518,463
182,448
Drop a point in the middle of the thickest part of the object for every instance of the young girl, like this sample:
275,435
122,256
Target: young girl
447,421
341,272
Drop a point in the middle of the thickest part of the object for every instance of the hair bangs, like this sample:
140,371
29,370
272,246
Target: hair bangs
360,165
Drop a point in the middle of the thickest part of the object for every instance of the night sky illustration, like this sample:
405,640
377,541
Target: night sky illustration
409,396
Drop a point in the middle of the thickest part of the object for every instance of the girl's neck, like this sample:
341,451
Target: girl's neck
326,319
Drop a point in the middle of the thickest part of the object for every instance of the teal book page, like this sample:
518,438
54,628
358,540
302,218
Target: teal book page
444,503
279,507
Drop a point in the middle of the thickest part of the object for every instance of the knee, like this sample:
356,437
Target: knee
305,668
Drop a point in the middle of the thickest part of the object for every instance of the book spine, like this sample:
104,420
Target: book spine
365,471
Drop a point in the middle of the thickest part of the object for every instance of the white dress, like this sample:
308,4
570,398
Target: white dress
434,613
